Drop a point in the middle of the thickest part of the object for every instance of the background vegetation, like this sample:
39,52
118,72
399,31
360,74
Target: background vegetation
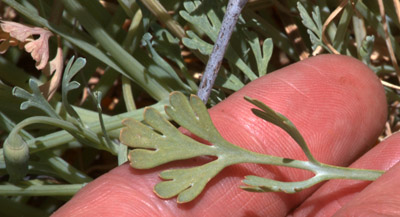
136,53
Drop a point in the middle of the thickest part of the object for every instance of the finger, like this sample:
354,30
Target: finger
335,101
381,198
335,194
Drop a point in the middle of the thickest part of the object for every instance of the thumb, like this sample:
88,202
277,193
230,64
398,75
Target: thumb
337,104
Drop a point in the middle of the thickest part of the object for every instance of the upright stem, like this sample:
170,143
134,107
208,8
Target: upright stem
162,15
132,67
214,63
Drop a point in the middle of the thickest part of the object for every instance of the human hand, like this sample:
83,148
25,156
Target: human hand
339,107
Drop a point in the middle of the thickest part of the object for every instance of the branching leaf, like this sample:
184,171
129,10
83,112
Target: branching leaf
6,41
197,13
314,25
16,34
161,142
153,149
232,82
70,71
169,46
281,121
262,57
203,15
194,42
38,48
157,141
54,69
35,99
147,37
306,19
187,182
366,49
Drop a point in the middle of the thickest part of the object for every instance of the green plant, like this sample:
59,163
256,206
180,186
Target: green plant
66,132
159,142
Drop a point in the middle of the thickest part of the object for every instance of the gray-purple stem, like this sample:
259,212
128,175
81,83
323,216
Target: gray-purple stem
214,62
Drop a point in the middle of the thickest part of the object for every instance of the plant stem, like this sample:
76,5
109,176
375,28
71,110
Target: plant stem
162,15
323,171
127,94
91,136
113,123
39,190
214,63
130,106
131,66
63,169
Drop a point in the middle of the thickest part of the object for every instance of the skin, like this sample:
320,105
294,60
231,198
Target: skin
339,107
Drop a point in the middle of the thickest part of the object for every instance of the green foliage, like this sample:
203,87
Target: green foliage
131,40
170,145
313,24
207,18
34,99
70,71
262,56
281,121
157,141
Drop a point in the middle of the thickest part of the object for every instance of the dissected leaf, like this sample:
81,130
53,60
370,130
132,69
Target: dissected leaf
198,12
70,71
187,182
367,48
6,41
314,24
281,121
147,37
306,19
194,42
16,34
153,149
38,48
157,141
34,99
161,142
262,56
169,46
204,16
54,69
